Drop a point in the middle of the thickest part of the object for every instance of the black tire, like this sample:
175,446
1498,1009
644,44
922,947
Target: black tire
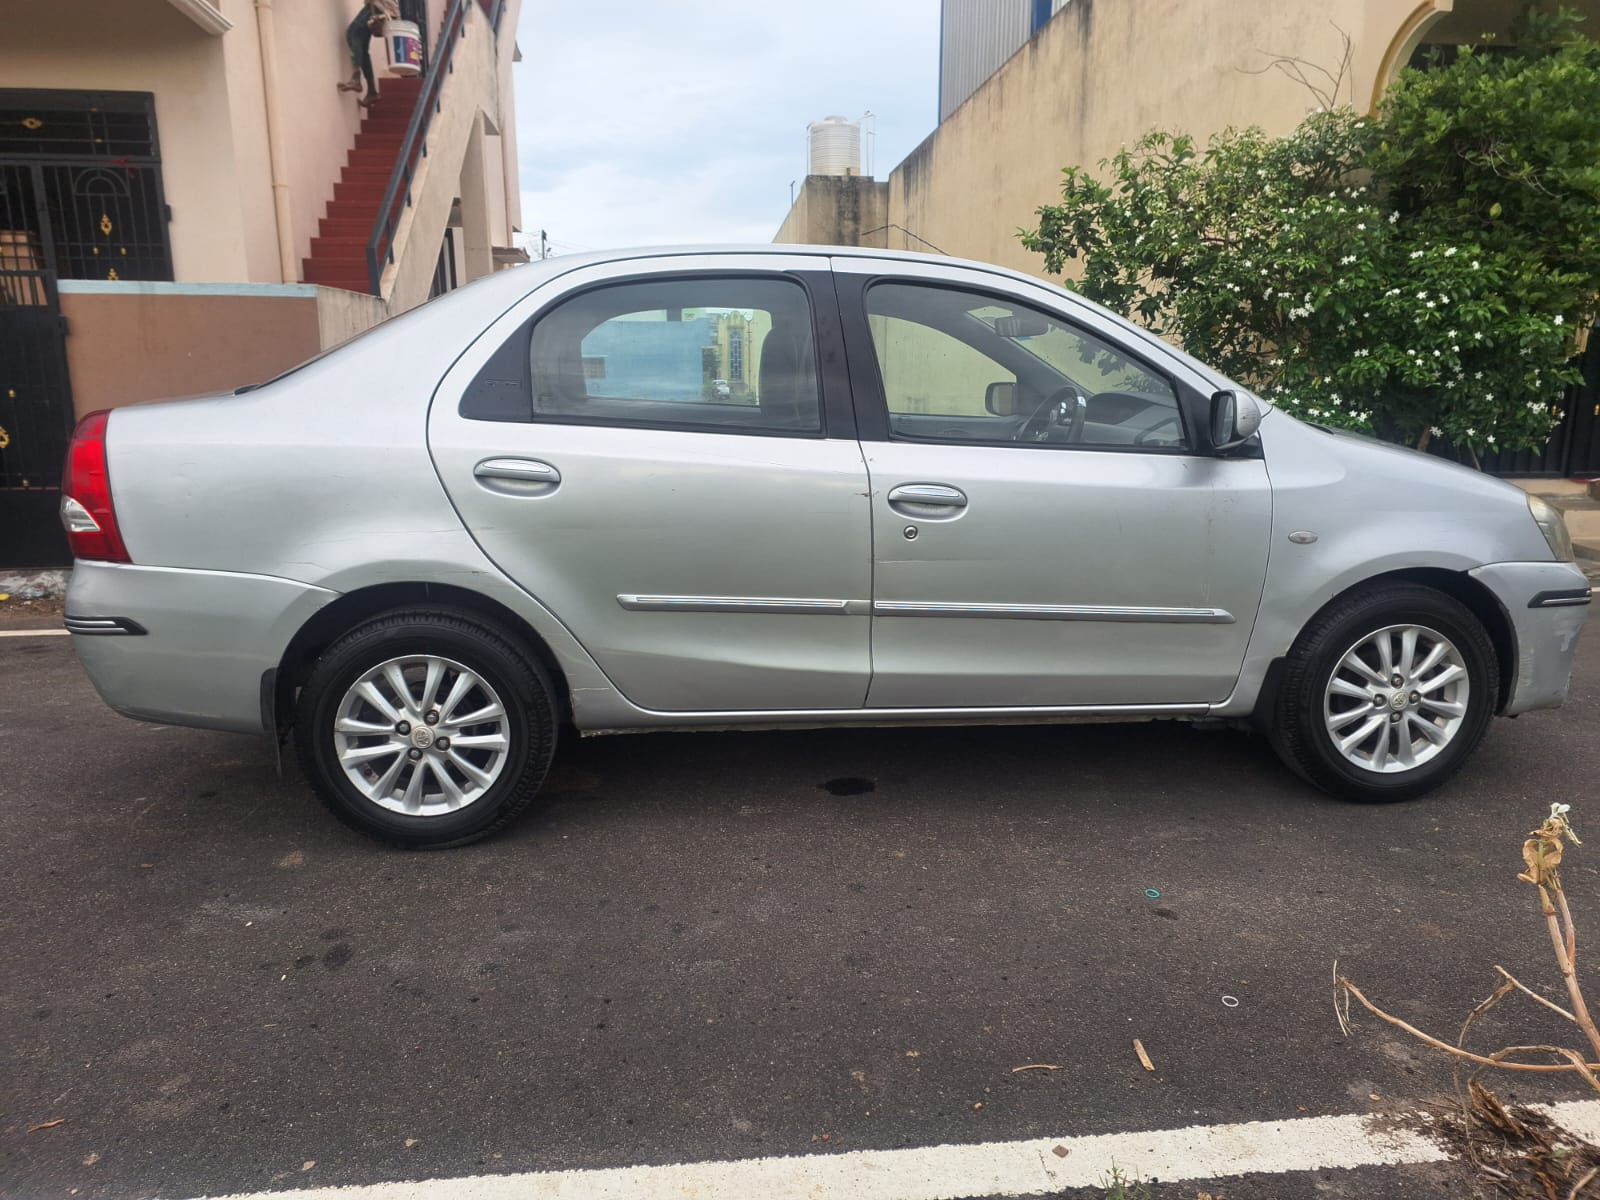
516,677
1298,725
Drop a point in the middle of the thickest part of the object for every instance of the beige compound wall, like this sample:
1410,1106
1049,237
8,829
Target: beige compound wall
1103,72
131,343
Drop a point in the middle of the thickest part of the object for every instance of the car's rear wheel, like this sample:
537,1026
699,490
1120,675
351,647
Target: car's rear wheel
426,728
1386,693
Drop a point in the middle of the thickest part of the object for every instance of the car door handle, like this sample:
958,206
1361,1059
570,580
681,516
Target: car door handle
930,501
517,476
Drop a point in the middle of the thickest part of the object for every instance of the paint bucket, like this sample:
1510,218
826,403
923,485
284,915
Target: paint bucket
404,40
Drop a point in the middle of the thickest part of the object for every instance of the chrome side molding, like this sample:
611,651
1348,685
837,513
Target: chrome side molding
1053,612
742,604
926,608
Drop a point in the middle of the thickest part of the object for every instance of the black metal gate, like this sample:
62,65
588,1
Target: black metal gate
35,397
80,198
1574,445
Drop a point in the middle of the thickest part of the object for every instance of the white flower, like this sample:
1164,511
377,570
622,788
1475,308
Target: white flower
1362,226
1393,217
1345,261
1411,353
1436,354
1422,295
1477,337
1450,252
1490,439
1560,320
1436,431
1416,254
1474,264
1430,304
1472,433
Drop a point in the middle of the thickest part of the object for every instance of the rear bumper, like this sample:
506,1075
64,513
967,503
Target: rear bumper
1547,604
184,647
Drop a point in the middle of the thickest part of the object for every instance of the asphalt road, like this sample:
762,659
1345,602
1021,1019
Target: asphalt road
730,945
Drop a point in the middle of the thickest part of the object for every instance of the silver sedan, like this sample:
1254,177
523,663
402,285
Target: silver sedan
787,487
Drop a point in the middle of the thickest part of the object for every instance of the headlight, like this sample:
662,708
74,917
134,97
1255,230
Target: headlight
1553,527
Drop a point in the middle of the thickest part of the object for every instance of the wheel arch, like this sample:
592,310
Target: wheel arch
353,608
1459,586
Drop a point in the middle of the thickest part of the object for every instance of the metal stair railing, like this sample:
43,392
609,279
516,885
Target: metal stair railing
380,243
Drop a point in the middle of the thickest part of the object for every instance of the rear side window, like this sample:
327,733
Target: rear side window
730,355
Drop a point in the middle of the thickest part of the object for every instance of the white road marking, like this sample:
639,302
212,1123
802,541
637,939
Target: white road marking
1030,1168
35,633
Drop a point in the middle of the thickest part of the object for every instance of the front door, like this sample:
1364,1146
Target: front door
656,459
1044,533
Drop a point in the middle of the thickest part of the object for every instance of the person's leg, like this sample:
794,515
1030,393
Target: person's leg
366,69
356,38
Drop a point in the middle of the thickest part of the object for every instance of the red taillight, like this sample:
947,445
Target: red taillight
86,509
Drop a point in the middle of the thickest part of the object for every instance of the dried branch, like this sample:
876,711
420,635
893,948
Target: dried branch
1533,995
1486,1060
1295,68
1541,855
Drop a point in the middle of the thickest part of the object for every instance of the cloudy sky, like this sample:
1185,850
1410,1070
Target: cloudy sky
649,123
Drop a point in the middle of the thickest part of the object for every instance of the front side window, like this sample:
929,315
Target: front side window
962,366
734,354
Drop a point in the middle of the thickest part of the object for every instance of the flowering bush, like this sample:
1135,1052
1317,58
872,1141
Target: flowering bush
1419,273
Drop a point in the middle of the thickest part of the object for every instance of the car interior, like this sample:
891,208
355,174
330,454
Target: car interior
1050,383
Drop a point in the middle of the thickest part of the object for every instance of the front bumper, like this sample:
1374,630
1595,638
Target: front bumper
1547,604
184,647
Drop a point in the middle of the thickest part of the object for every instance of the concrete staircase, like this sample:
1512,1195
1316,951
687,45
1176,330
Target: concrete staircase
338,255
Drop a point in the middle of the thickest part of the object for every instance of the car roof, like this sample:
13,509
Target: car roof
567,262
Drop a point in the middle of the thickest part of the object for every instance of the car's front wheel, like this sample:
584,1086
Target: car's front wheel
1386,693
426,728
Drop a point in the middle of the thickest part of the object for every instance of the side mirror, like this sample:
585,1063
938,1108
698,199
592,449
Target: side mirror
1001,399
1234,420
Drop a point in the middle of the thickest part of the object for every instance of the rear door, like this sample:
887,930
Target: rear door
1056,539
663,453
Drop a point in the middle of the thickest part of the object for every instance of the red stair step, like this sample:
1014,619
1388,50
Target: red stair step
328,248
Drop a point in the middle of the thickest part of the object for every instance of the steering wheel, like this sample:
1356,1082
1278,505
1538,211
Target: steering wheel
1066,406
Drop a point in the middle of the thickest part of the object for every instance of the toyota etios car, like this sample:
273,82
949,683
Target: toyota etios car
787,486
